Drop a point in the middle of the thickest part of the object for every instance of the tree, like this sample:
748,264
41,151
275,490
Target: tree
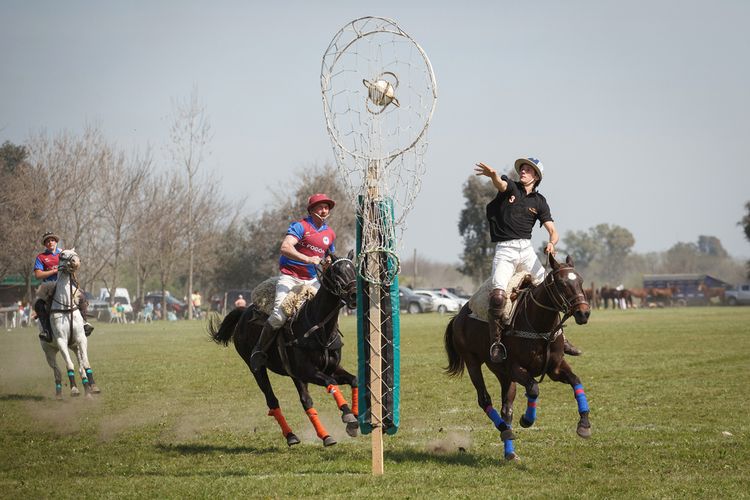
711,245
603,251
190,135
474,229
22,201
583,247
249,252
120,182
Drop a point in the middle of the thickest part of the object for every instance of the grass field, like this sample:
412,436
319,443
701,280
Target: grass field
180,417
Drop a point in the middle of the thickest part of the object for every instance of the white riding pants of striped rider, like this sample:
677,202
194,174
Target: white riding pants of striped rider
283,287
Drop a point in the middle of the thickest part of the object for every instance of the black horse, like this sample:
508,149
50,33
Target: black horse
534,345
309,348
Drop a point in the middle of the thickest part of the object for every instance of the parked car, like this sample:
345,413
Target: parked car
122,296
445,293
738,295
412,302
96,306
441,304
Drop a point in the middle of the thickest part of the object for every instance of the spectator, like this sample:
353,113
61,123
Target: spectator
240,302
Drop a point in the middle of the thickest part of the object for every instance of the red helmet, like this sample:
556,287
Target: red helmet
319,198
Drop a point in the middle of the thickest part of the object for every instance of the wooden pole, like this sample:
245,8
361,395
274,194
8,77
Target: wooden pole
376,361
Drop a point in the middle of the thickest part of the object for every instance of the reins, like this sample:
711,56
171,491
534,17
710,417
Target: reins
335,288
559,305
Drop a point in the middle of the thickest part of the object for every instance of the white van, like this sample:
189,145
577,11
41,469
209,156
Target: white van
122,296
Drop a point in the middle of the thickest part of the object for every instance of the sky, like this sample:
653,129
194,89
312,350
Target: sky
639,111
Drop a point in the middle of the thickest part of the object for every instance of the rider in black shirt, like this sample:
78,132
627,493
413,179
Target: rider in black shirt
511,216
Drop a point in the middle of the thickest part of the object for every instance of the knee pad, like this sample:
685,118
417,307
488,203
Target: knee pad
497,301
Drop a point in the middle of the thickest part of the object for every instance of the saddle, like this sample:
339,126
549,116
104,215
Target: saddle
263,295
479,303
46,292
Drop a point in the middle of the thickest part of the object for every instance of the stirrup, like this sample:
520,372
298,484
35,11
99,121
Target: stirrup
45,336
87,329
258,359
498,354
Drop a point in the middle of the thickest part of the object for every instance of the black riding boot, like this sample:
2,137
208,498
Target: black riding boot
497,304
40,307
83,307
569,348
259,357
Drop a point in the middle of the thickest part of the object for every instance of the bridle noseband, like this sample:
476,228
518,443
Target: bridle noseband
562,303
335,284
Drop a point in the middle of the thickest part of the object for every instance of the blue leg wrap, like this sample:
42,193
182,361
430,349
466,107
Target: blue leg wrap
496,418
531,409
58,386
71,373
583,404
509,448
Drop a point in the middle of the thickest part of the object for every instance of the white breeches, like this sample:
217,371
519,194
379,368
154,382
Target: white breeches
514,256
283,287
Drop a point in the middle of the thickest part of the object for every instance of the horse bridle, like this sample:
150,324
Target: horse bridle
336,286
561,303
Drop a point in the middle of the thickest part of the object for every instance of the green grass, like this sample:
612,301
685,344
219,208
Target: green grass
181,417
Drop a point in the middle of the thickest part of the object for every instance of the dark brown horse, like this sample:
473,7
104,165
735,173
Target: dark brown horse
308,348
534,347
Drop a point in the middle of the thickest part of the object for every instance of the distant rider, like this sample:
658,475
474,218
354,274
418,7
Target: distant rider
306,244
45,269
511,216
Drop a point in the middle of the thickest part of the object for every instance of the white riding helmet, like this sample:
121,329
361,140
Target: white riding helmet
533,163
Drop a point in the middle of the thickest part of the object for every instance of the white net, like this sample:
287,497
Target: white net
379,94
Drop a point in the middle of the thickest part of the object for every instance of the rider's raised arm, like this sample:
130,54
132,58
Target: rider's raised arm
500,182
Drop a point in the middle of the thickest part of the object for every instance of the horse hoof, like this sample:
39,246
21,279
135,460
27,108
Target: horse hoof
75,392
348,418
292,439
58,397
526,423
352,429
584,432
95,389
507,434
328,441
512,457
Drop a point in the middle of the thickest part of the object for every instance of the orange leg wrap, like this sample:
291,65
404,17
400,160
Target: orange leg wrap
355,401
334,390
276,413
319,429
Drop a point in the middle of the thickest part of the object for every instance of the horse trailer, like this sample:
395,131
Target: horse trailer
688,289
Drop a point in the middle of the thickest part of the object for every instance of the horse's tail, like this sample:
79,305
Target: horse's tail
455,361
222,334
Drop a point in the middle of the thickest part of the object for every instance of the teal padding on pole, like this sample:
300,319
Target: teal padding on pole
390,330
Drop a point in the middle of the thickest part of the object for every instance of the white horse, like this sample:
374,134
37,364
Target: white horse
67,329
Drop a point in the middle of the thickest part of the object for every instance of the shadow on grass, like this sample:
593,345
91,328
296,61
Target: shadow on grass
203,449
21,397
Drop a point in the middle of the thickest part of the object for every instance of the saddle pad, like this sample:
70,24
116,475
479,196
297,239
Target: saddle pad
47,290
264,294
479,303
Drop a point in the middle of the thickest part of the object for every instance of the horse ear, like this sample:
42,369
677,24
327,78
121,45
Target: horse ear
350,255
569,261
552,262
